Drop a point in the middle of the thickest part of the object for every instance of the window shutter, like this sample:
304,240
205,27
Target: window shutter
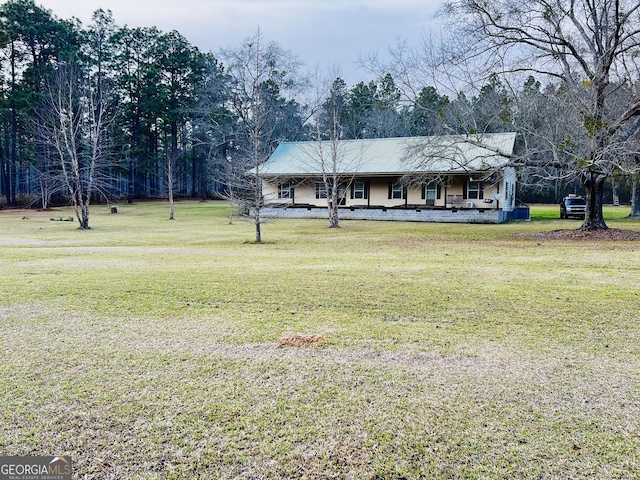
353,189
439,194
366,190
424,192
390,190
480,190
293,193
464,190
404,193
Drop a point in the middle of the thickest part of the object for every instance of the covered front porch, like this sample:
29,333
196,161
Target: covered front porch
460,192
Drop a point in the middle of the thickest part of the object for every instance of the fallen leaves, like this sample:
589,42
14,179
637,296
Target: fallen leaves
612,234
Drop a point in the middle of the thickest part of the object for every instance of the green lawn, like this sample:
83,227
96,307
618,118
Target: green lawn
147,348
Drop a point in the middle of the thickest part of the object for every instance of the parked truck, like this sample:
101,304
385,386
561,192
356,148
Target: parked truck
573,206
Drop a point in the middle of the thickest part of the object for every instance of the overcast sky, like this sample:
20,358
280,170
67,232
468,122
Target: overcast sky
323,33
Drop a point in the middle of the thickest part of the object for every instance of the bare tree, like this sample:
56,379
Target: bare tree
263,75
76,125
583,53
586,49
329,155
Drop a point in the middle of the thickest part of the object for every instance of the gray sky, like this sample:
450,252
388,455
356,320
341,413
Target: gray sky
323,33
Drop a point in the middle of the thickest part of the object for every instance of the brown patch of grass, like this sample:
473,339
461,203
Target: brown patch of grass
612,234
301,340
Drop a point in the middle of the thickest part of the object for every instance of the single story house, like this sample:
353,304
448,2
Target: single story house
453,178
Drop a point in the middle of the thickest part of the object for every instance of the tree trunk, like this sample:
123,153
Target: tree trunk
194,179
3,171
81,207
43,167
331,187
171,181
333,214
635,197
594,187
44,192
11,192
203,180
258,226
11,198
84,223
130,182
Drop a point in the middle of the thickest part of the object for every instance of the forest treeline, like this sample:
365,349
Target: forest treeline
167,107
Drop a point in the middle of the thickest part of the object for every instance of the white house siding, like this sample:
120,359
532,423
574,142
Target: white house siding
414,196
509,189
270,192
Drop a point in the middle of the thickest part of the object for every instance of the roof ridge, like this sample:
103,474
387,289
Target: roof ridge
413,137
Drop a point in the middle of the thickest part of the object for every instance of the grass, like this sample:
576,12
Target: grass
152,349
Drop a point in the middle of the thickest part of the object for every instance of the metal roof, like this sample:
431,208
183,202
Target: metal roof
388,156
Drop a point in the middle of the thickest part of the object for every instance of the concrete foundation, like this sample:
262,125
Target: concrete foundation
460,215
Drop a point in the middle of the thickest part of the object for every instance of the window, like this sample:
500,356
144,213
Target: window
342,194
285,190
321,190
429,194
359,190
475,190
396,190
430,191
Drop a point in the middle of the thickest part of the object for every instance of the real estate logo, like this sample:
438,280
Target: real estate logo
35,468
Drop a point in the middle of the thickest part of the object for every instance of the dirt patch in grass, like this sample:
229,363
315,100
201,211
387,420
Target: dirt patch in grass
21,242
611,234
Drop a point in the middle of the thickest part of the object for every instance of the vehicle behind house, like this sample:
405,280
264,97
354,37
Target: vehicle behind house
573,206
